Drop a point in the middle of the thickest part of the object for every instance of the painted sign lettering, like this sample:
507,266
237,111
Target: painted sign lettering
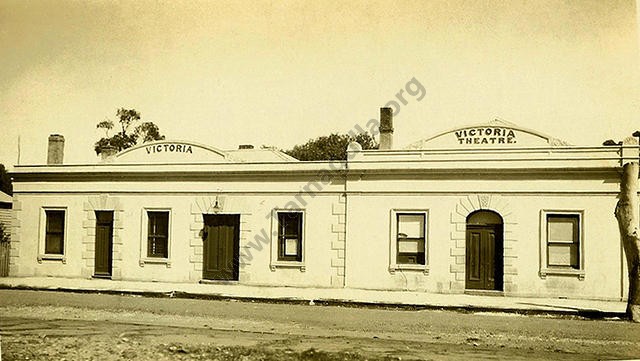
169,148
486,135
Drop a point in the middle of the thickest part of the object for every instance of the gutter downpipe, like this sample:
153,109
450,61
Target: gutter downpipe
352,149
346,219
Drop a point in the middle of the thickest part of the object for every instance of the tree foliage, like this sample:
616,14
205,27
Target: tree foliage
611,142
131,131
331,147
5,181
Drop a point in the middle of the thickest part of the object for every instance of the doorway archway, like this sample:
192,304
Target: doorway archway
484,251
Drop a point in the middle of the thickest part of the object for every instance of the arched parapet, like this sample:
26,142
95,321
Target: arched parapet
497,133
171,151
465,206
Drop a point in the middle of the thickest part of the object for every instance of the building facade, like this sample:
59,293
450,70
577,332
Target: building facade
488,208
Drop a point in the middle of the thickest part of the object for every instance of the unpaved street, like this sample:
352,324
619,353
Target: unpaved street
44,325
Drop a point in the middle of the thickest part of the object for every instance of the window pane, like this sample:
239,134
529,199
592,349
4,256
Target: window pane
157,247
158,223
411,225
559,255
53,243
411,258
55,221
561,228
563,255
160,245
289,223
411,246
291,247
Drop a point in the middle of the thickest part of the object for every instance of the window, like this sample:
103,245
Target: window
563,241
54,232
158,234
290,236
287,239
561,246
53,225
155,236
408,240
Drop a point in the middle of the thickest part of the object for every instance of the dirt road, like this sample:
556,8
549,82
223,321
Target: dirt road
39,325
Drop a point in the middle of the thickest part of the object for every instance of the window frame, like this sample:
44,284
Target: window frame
42,246
276,261
144,237
283,236
394,265
545,268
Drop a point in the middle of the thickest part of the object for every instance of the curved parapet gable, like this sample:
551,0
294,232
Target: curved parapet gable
171,151
494,134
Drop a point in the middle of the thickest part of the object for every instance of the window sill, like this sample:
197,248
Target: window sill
562,272
409,267
52,257
283,264
164,261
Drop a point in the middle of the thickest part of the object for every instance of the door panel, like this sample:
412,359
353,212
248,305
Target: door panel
484,257
473,256
103,244
490,257
221,247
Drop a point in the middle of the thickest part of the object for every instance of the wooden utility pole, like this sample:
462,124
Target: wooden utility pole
627,215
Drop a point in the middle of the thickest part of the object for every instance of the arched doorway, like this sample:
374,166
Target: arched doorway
484,251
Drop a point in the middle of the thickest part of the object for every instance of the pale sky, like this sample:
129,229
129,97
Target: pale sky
277,73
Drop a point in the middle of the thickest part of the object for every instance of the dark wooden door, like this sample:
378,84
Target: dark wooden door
104,243
221,247
484,258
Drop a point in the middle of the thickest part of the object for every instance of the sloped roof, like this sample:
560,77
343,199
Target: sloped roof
260,155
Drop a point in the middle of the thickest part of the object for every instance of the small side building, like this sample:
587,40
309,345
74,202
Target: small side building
6,222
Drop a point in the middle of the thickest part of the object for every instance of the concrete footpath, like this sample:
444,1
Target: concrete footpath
577,307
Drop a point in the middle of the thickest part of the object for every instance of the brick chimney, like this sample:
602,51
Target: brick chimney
107,153
386,129
55,151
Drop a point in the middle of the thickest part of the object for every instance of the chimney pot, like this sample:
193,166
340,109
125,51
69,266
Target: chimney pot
55,150
386,129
